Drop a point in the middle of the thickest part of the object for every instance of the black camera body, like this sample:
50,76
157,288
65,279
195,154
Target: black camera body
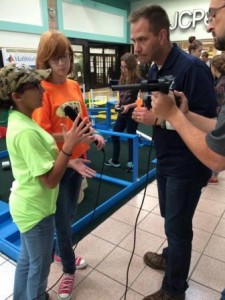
163,85
119,109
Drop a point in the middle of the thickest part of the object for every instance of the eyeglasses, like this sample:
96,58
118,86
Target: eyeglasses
211,14
30,86
64,58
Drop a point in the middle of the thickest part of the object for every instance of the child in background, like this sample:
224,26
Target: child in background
129,75
195,47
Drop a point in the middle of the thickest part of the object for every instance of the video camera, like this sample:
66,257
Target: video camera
163,85
119,109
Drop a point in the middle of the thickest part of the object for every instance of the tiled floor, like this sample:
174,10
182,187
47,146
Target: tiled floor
108,250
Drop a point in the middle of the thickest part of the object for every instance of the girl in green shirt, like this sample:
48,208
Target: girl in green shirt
37,167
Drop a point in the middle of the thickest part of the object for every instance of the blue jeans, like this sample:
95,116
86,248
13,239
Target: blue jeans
178,198
122,123
223,295
34,261
66,206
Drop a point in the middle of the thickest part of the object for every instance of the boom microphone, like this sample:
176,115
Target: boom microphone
163,85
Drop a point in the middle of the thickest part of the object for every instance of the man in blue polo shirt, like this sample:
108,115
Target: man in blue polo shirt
180,175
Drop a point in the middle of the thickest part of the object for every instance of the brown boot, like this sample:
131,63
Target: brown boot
155,261
161,295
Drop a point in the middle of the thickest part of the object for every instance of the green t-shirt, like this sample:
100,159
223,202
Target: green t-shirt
32,152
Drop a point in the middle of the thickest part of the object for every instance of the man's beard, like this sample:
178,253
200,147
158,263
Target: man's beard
220,43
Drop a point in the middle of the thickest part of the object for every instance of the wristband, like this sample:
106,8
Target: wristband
97,133
67,154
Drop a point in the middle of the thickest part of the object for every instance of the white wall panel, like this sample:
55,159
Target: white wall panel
18,40
84,19
22,11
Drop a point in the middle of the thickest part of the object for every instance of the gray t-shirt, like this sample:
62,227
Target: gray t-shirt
216,139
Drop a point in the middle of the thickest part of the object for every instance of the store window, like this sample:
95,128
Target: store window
78,67
102,66
208,46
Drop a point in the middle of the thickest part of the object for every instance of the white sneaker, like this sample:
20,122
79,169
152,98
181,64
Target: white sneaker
129,168
110,163
79,261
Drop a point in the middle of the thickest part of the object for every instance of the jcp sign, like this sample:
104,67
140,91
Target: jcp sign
186,19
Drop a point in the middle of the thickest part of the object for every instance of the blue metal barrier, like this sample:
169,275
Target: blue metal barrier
9,233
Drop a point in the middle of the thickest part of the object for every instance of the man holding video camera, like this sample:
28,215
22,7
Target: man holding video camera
180,175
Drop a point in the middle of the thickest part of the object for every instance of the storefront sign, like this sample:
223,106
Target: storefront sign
27,57
188,19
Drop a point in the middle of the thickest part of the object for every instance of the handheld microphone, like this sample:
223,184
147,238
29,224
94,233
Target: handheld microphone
72,114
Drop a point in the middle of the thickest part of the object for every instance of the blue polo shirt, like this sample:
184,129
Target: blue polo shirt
194,78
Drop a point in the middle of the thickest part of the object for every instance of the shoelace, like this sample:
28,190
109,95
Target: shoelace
67,284
78,260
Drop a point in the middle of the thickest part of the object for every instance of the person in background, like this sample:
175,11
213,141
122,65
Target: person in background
195,47
207,138
180,176
63,98
205,58
218,71
129,75
37,167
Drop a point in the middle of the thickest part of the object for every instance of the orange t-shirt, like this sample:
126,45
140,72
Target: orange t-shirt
51,114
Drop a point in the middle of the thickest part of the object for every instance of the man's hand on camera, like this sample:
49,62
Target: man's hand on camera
183,102
164,106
